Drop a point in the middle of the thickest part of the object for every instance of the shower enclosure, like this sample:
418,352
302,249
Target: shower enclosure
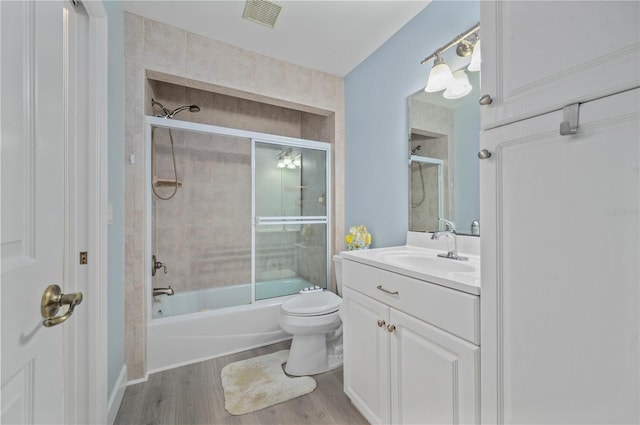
249,219
426,193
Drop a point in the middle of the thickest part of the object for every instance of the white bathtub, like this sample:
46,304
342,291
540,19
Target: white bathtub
183,339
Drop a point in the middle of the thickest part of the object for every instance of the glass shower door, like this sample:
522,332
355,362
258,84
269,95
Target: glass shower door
290,217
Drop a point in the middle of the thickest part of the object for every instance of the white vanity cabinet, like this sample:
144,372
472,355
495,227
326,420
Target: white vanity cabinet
399,367
539,56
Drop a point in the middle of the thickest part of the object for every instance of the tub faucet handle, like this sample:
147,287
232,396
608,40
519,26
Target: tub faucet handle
155,265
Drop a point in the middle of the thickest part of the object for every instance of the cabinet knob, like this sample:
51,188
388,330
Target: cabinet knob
391,328
485,100
381,323
484,154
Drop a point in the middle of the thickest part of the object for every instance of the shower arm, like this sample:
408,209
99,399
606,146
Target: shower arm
165,110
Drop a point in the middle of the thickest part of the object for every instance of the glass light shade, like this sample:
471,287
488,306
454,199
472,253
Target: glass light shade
280,163
440,76
297,161
460,86
476,59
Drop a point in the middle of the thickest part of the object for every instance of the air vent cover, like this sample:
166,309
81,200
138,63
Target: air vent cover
262,12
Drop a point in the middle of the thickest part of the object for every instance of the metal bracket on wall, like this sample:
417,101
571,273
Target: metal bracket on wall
570,124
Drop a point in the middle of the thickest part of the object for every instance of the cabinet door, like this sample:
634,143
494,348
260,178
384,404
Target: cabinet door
366,355
539,56
560,248
434,375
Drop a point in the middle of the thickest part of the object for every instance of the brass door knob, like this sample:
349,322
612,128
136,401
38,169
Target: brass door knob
52,300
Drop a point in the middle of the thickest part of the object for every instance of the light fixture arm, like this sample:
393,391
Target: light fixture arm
453,42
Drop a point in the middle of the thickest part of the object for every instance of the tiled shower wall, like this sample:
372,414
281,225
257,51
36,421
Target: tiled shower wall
203,233
164,53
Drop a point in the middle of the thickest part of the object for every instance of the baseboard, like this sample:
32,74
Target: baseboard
142,380
115,398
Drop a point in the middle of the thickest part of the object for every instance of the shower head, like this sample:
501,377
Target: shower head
170,114
191,108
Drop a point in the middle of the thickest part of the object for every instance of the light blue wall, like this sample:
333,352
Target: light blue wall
376,175
115,272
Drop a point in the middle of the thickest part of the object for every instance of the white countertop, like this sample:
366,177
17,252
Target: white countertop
466,281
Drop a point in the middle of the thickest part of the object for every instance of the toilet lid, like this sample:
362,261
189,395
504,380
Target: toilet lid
313,304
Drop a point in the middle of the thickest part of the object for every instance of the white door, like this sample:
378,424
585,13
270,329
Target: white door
560,293
34,86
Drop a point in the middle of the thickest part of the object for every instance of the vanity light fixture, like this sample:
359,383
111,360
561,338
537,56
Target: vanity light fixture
440,76
466,46
476,59
460,86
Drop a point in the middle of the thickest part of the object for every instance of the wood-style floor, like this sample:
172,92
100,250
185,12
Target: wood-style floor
193,395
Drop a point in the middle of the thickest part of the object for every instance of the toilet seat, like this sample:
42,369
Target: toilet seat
312,304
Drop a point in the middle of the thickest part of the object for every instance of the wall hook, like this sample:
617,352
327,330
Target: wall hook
570,124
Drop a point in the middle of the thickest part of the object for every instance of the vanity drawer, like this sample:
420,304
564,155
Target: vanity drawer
448,309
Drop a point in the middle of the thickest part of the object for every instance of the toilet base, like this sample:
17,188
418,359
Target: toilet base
314,354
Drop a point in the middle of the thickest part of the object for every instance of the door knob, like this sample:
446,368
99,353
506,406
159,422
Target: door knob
391,328
485,100
52,300
484,154
380,323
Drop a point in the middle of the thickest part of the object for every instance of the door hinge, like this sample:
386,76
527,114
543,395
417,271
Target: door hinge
570,124
83,257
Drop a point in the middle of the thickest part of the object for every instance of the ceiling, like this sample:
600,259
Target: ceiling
326,35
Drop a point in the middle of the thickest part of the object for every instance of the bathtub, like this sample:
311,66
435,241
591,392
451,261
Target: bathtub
218,327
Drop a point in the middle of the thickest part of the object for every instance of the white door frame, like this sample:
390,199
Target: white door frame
97,178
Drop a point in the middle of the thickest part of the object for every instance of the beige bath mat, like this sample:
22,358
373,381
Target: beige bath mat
260,382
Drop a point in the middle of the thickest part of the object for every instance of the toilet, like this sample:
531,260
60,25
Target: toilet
313,319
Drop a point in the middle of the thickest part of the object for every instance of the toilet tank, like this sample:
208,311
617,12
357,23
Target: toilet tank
337,261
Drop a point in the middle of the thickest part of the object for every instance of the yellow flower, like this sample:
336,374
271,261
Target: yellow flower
358,237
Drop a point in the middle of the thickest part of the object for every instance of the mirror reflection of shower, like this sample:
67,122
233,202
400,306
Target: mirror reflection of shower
156,181
414,203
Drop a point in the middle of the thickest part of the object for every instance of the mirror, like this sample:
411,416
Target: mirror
444,176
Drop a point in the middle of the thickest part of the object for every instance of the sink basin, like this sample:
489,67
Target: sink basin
424,262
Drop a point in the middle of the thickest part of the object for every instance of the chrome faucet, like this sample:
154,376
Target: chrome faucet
448,225
452,250
163,291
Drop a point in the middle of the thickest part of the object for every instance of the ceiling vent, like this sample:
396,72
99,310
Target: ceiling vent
262,12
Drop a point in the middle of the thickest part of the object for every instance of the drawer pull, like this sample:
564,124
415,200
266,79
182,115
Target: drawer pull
391,328
386,291
381,323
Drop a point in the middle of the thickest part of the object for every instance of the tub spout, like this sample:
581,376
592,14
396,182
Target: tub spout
163,291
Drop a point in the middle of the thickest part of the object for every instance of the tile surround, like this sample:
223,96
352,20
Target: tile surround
169,54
